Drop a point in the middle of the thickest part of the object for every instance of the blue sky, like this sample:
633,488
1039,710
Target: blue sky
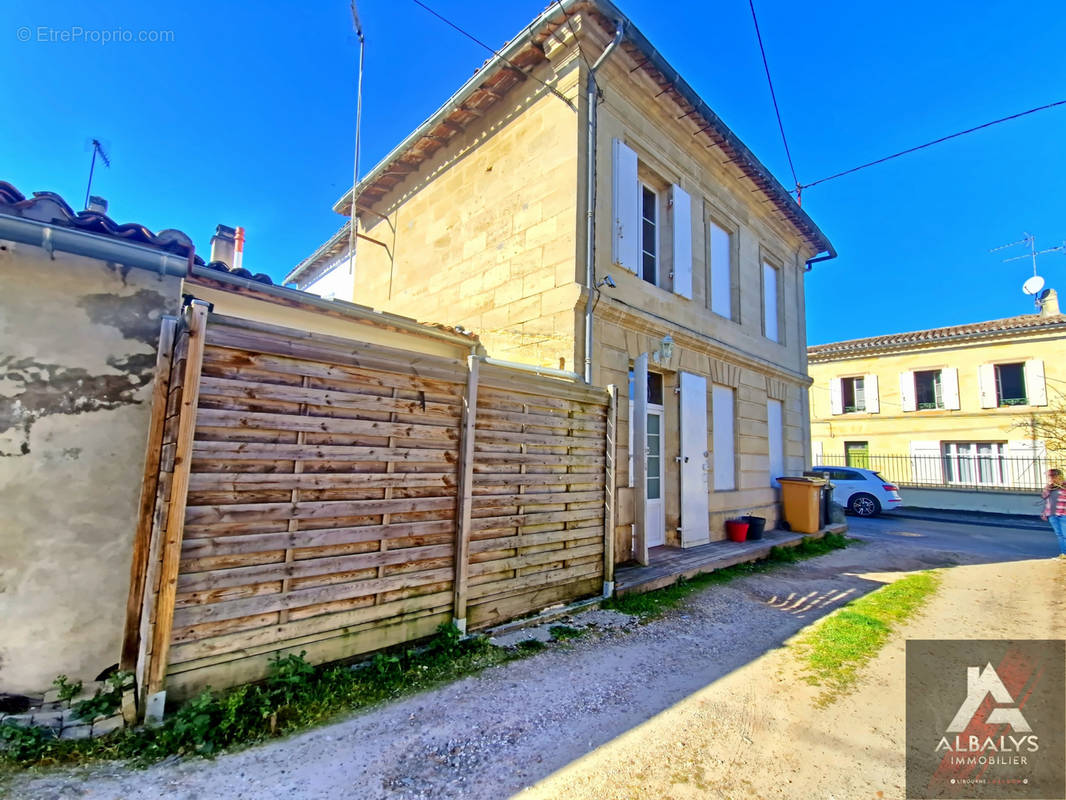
247,118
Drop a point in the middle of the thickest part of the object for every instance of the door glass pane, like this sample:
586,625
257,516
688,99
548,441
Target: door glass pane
653,426
653,489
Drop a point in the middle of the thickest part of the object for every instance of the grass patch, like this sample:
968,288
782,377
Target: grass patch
562,633
294,696
834,650
653,604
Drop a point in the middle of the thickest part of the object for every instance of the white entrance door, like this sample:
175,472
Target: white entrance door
655,520
695,526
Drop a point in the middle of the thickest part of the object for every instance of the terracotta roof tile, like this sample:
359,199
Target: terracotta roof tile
52,209
893,341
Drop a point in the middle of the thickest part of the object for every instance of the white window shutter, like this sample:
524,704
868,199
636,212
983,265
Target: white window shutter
836,396
873,403
682,240
769,302
816,454
1035,387
986,382
927,466
1027,462
625,249
908,400
949,387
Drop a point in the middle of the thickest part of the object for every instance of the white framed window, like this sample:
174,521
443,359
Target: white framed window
649,234
1010,385
723,438
652,230
976,463
771,308
722,280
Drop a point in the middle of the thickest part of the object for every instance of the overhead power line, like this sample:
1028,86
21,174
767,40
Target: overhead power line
930,144
495,52
773,96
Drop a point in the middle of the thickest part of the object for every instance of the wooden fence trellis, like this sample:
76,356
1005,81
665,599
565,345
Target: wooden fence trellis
312,493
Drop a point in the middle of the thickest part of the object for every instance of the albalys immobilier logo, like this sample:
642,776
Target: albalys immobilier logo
986,719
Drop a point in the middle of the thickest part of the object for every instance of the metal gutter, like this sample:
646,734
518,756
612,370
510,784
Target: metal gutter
593,101
57,237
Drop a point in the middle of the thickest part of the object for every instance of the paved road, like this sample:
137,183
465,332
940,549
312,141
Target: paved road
717,667
979,540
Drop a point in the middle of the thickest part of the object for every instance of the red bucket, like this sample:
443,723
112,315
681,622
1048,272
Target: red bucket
736,530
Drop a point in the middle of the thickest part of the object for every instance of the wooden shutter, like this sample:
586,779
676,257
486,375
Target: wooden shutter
816,454
695,509
986,383
721,274
836,396
775,434
908,400
1035,386
873,402
681,205
1027,463
625,250
723,437
949,387
926,463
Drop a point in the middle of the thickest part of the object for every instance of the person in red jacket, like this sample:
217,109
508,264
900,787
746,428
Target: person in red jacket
1054,495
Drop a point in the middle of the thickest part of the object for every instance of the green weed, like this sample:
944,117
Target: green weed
834,651
653,604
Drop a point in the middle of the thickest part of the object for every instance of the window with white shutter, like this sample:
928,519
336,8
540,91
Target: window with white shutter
625,250
681,239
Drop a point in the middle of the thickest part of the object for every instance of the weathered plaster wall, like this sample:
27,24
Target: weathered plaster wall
77,355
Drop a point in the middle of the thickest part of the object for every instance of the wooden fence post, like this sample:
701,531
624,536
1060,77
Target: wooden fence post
146,511
171,556
609,490
466,492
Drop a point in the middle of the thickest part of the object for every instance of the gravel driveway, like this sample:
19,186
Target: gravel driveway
494,734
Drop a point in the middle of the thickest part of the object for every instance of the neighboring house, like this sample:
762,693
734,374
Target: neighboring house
481,218
941,407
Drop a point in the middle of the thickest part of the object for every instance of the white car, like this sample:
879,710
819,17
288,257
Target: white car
861,491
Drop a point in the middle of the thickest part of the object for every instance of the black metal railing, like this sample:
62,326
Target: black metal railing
990,472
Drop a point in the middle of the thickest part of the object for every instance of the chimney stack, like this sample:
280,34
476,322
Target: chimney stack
223,245
238,253
1049,306
97,205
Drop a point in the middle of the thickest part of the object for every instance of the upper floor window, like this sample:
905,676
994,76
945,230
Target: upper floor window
723,287
1010,385
649,234
771,306
854,394
652,223
929,389
1013,384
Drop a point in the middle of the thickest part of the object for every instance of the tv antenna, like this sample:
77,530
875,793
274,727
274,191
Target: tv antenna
1033,286
98,149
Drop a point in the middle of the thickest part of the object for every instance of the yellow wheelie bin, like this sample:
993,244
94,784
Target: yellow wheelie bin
801,498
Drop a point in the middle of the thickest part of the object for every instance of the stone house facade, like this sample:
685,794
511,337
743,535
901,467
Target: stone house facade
690,287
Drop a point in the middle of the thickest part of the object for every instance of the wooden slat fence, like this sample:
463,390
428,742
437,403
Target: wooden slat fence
327,486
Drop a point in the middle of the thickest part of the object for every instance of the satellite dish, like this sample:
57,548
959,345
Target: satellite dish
1033,285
